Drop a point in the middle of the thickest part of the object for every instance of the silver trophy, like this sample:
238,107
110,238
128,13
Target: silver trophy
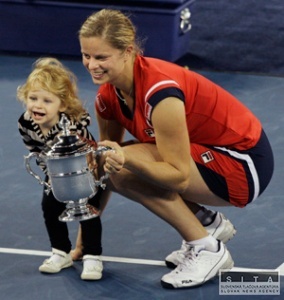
72,169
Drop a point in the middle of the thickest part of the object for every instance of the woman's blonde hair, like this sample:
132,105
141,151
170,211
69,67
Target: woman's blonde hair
51,75
112,26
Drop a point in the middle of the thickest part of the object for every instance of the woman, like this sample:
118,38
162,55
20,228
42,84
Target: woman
196,144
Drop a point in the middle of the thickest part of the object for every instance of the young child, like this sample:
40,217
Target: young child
50,90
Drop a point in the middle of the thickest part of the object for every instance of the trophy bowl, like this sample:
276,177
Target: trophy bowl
72,171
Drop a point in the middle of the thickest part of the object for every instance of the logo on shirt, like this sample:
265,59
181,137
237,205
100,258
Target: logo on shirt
150,132
207,157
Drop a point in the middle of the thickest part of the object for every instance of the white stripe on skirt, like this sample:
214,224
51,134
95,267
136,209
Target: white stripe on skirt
251,166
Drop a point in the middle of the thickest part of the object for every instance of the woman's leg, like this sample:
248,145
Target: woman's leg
165,204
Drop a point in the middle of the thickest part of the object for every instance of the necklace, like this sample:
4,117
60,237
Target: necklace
130,94
122,98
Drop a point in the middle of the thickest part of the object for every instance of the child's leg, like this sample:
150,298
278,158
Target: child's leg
57,230
91,233
91,236
91,242
58,235
99,201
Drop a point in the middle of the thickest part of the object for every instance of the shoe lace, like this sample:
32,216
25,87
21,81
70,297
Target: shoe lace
190,258
183,248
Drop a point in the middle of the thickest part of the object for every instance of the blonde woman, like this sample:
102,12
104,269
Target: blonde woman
50,90
197,144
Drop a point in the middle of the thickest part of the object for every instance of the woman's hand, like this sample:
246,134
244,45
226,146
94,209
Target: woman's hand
114,158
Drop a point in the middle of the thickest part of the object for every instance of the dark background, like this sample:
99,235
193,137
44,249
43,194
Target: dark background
226,35
237,36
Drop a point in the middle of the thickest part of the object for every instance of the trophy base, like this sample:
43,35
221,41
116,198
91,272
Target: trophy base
78,211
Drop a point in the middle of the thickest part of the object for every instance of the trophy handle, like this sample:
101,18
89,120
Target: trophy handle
99,151
31,172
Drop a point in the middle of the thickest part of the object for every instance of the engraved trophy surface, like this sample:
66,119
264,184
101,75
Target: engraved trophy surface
71,166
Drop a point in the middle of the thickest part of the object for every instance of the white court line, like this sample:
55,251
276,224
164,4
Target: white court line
127,260
281,269
104,258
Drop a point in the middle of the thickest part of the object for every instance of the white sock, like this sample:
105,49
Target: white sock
209,243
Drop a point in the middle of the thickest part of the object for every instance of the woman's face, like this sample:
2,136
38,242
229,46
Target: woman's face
104,63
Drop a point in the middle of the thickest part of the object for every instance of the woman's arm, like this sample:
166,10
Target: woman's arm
110,130
173,147
168,163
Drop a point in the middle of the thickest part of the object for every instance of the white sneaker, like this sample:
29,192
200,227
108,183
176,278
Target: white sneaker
92,267
58,261
198,266
221,229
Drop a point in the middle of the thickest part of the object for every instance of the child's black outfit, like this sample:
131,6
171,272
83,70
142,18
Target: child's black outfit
52,209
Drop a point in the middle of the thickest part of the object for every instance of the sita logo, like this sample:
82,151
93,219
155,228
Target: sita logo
250,277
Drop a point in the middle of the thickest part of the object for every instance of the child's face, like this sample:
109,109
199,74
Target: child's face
44,108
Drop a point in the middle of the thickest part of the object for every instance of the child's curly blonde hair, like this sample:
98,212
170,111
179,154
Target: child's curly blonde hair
51,75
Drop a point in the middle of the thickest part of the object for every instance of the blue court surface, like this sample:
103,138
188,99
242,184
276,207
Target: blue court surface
135,242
